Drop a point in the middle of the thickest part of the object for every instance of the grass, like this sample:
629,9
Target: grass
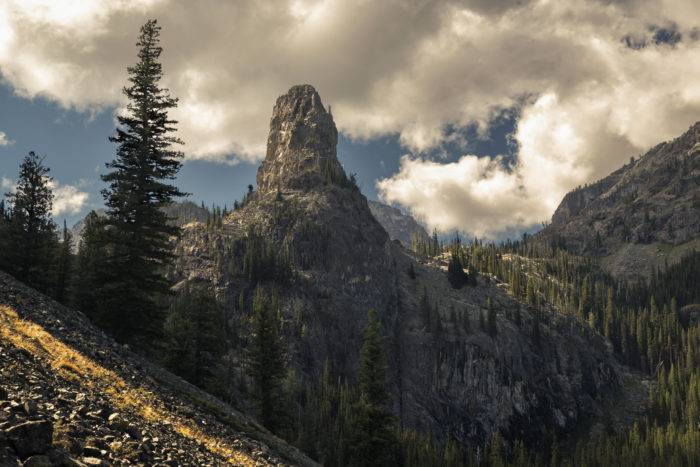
72,365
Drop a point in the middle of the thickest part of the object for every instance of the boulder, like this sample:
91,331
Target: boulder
31,438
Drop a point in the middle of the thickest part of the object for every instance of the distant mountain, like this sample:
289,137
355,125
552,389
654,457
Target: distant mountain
181,212
73,397
642,215
309,234
399,226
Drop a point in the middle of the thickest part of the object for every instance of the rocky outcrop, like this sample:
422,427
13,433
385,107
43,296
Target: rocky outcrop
301,147
399,226
450,380
70,396
640,216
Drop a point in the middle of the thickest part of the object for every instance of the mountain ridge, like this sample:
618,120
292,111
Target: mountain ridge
639,217
343,264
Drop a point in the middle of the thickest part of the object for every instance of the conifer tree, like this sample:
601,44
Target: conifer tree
194,335
4,236
455,272
373,438
64,266
266,360
496,450
86,284
31,242
137,228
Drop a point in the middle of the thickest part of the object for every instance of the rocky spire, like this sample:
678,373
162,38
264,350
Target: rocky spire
301,147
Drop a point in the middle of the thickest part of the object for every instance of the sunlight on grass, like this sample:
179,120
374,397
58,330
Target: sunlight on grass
74,366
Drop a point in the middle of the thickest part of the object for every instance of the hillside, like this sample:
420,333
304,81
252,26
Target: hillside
71,396
641,216
307,233
399,226
181,213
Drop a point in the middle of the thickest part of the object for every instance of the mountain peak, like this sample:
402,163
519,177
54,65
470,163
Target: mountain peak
301,146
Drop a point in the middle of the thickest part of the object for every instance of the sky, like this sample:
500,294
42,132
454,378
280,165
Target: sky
476,115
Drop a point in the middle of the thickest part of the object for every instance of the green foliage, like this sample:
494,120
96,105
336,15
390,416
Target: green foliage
215,217
426,246
31,243
4,236
90,263
257,259
455,272
641,320
266,362
194,336
64,266
372,437
137,229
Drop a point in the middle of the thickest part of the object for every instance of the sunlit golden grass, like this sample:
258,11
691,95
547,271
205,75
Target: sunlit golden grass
74,366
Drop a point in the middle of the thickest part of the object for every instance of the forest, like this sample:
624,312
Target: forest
119,274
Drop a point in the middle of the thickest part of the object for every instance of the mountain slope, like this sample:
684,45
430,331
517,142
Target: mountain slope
69,395
641,215
181,213
308,234
398,225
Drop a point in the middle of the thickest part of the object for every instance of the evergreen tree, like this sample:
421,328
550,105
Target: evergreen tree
373,438
138,229
194,335
455,272
411,270
266,360
31,242
90,264
496,450
64,266
4,236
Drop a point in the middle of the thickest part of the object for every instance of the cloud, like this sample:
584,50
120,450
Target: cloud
594,81
438,195
4,140
68,199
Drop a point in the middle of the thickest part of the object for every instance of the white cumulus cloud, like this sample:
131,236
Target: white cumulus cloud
4,140
412,68
68,199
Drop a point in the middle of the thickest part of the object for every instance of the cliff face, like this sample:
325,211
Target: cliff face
452,379
398,225
641,215
301,147
70,396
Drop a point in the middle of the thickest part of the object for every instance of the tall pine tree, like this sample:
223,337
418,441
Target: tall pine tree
373,437
195,335
4,236
32,241
88,284
138,229
266,361
64,265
